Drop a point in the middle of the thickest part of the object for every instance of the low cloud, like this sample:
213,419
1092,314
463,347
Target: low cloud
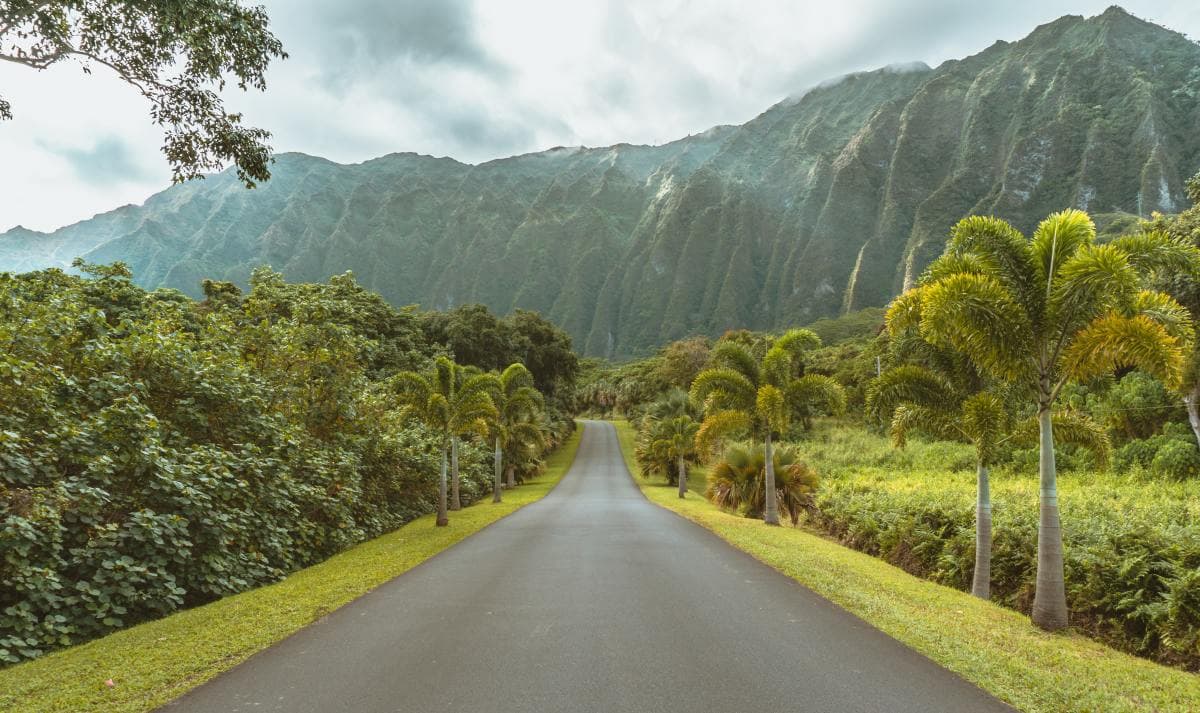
109,159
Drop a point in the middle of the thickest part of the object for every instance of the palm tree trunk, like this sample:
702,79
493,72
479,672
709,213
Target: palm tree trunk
682,478
455,501
496,484
442,520
1050,599
1192,401
512,475
982,584
771,512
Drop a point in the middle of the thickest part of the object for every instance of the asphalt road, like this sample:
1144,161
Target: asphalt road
591,599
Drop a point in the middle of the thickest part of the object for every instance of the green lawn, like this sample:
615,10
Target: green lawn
996,648
159,661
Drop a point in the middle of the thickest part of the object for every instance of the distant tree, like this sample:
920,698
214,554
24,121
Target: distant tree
473,335
1038,313
744,394
176,54
682,360
667,446
545,349
451,402
517,433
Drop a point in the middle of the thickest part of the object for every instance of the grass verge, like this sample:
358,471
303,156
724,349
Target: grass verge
995,648
158,661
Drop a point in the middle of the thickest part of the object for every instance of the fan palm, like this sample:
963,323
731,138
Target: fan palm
916,397
736,481
743,394
1041,312
452,401
517,431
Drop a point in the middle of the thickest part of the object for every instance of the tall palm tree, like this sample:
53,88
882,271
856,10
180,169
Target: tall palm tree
743,394
918,398
1041,312
516,428
451,401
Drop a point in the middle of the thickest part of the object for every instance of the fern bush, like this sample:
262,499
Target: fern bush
1132,544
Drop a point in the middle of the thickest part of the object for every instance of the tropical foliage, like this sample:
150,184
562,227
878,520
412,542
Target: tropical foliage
1131,551
158,452
737,481
1038,313
761,396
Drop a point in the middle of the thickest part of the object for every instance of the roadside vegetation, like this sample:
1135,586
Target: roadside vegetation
151,664
1012,356
991,646
158,453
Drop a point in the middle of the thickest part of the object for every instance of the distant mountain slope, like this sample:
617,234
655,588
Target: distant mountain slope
829,202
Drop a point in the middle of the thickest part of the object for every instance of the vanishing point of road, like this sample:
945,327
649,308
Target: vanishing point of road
591,599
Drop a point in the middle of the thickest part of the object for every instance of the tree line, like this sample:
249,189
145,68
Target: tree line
996,335
159,452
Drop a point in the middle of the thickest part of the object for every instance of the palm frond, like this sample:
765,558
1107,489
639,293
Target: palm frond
734,356
717,427
1005,254
1094,280
909,384
1154,251
905,312
1174,317
1114,341
776,366
1057,239
952,264
816,393
1069,428
977,316
938,423
723,388
769,406
985,421
515,376
797,341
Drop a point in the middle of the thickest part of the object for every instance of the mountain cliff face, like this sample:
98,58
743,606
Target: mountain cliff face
828,202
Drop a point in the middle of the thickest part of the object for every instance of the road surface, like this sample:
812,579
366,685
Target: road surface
592,599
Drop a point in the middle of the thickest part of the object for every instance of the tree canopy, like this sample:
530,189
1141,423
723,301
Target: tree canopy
177,54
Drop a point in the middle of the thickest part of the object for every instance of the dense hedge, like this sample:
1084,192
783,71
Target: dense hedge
1132,546
157,452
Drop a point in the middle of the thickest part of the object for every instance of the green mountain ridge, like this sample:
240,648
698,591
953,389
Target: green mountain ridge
827,202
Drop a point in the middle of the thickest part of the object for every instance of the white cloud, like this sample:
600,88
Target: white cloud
493,78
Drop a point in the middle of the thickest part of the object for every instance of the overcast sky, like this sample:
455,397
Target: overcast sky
482,79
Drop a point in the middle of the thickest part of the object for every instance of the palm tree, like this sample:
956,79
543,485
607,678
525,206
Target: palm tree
665,443
918,398
517,431
743,394
736,481
451,401
1040,312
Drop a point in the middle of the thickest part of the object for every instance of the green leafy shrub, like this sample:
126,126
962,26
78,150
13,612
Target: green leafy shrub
1170,454
1177,459
158,453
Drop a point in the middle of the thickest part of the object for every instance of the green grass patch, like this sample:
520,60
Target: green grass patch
156,662
995,648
